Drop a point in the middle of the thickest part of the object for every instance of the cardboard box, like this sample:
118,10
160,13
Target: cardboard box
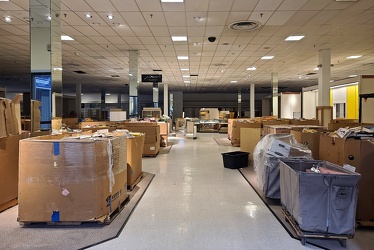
71,180
35,115
9,148
163,128
336,126
95,129
311,140
134,158
70,122
92,124
357,153
236,126
16,109
249,137
56,123
313,122
277,129
152,135
164,141
230,123
8,119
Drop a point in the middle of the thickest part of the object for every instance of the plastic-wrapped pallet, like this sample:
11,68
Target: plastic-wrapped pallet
266,155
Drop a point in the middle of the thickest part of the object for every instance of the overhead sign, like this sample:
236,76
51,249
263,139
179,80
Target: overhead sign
151,78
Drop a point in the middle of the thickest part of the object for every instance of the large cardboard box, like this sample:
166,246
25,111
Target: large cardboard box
134,157
9,149
8,118
308,122
311,140
236,126
360,154
95,129
152,135
249,137
230,123
62,179
164,141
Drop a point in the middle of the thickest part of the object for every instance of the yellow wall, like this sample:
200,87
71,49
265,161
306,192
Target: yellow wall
352,102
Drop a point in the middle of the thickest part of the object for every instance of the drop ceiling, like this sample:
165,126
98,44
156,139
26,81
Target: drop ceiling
101,46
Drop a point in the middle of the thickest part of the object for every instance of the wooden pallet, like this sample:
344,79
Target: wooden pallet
106,219
304,235
132,185
8,204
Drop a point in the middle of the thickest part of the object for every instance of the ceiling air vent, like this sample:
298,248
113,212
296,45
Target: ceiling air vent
311,73
244,25
80,72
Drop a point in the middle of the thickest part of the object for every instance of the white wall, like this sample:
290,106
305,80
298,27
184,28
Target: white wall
112,98
40,40
339,95
290,103
310,100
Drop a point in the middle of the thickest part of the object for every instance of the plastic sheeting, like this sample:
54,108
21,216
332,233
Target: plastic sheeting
266,155
323,201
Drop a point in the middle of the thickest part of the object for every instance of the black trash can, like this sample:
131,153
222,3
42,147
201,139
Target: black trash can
235,160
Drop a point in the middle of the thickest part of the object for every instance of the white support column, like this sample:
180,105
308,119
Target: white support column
166,99
133,84
324,74
252,100
274,84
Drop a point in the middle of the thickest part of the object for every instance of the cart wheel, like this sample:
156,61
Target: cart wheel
303,240
343,242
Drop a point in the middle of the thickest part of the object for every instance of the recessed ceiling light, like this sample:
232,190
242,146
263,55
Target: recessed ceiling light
57,68
352,75
8,19
234,81
110,17
185,76
182,57
66,38
267,57
331,80
130,74
172,1
294,38
187,81
179,38
252,68
107,94
185,69
88,16
196,43
49,18
316,68
353,57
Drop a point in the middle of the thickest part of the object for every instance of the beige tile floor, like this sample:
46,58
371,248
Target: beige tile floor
195,203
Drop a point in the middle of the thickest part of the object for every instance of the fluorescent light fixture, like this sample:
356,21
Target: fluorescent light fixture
187,81
88,16
185,76
252,68
172,1
316,68
352,75
57,68
179,38
107,94
4,0
344,85
294,38
8,19
110,17
185,69
131,75
66,38
332,81
234,81
267,57
353,57
182,57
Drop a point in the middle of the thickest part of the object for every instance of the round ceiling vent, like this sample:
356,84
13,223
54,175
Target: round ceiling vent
244,25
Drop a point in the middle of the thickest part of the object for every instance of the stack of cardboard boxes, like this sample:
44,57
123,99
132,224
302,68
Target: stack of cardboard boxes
164,133
10,135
